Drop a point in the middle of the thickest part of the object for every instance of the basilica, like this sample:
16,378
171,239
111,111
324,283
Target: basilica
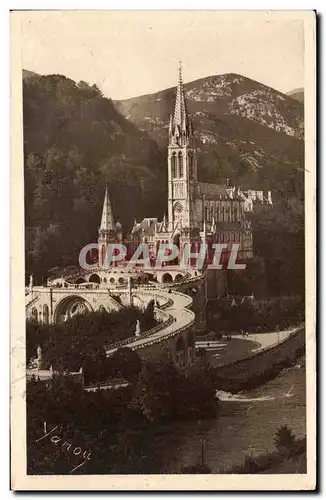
197,212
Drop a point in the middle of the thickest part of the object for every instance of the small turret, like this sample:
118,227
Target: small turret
213,227
164,223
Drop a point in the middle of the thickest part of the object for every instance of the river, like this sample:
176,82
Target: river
246,423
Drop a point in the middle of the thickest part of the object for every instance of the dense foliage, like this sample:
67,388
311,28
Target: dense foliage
115,426
163,392
74,142
80,342
260,315
289,456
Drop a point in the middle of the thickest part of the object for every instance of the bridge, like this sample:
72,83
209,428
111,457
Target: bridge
179,307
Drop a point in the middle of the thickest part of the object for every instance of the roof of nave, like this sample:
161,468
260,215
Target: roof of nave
212,191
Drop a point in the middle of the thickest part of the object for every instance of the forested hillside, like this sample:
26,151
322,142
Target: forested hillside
74,142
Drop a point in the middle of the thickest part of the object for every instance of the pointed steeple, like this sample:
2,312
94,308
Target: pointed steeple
180,128
180,116
107,222
164,225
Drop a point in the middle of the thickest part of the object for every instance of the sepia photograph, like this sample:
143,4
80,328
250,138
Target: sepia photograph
163,250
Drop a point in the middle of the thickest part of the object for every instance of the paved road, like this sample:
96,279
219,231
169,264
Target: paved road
267,339
226,351
182,318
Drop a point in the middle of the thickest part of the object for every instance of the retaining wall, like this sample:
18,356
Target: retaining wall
256,367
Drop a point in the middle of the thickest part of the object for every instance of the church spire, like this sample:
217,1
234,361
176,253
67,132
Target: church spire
180,116
107,222
180,128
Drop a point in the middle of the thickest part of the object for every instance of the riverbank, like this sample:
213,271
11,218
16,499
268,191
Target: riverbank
262,364
246,424
274,462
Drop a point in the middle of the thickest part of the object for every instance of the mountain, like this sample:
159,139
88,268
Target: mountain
29,74
297,94
244,130
58,111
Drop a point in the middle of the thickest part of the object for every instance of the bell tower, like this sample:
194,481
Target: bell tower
182,165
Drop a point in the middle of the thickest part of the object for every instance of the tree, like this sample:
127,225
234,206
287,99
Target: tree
285,441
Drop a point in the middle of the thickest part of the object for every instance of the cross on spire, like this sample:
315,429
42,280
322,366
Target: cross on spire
180,72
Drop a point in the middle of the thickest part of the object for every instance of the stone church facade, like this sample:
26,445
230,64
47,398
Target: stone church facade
198,212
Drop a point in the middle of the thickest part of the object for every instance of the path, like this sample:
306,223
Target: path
225,351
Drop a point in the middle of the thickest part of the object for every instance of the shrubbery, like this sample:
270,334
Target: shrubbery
261,315
115,424
287,446
285,441
163,392
81,341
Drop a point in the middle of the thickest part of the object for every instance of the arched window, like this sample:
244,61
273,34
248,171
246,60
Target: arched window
174,166
167,278
94,278
206,213
180,164
103,254
34,314
212,212
190,158
46,314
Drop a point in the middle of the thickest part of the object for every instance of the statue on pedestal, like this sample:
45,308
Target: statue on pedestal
137,332
39,359
31,283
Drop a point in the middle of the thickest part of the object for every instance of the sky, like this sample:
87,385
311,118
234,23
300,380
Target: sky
131,53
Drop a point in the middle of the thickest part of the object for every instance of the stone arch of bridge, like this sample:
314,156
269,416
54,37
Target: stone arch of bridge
71,306
167,278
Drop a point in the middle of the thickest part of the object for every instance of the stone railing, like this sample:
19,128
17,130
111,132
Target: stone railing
168,321
174,332
32,301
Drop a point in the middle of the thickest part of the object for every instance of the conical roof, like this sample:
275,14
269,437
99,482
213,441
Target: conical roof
107,222
180,116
